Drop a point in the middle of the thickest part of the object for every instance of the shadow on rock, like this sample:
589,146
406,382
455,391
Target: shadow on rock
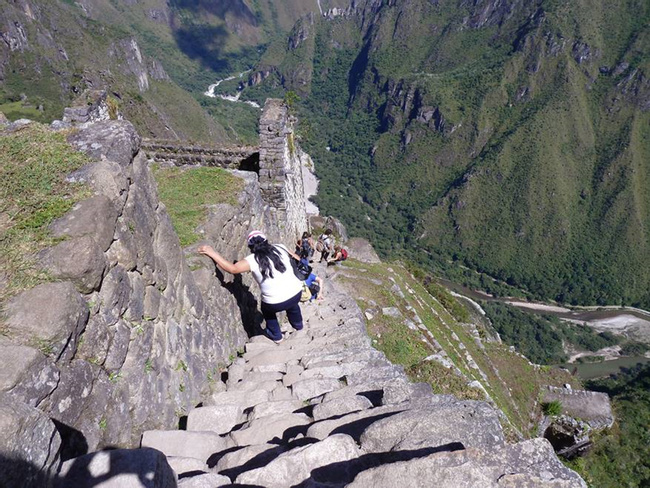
345,472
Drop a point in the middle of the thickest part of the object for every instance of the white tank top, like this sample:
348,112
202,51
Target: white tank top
282,286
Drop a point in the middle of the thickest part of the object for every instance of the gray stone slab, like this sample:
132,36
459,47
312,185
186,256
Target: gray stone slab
353,424
474,424
282,427
311,388
244,398
219,419
272,408
341,406
295,466
198,445
182,465
208,480
29,442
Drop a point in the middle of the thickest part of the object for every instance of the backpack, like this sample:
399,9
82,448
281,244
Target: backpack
306,293
344,255
306,250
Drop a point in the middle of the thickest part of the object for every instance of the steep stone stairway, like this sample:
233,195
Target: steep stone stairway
324,408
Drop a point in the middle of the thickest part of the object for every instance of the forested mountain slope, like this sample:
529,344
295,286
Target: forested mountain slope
156,57
510,136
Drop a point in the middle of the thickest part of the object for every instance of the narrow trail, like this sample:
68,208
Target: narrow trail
324,408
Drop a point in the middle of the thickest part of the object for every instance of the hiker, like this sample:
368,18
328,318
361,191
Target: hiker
271,268
339,254
315,285
305,247
325,245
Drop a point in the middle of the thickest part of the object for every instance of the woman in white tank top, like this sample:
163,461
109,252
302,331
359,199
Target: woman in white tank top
271,268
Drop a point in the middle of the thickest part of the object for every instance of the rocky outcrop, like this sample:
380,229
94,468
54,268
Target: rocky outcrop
129,337
582,414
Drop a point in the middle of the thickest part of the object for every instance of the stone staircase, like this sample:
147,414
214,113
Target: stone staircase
325,409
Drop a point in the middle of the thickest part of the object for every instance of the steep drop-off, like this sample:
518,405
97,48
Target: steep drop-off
509,137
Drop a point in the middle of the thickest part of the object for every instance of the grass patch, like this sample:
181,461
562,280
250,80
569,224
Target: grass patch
20,110
187,193
444,380
34,162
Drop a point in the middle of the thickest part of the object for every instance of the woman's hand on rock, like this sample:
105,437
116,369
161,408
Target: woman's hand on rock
207,250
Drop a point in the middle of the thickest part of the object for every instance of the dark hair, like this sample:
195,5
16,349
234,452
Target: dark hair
328,231
306,235
265,253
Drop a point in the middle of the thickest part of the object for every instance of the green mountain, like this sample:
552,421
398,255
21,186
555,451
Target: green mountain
156,58
509,138
504,137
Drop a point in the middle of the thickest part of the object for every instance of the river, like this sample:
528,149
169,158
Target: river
630,322
230,98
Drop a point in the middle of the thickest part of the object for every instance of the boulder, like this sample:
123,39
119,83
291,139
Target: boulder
198,445
50,316
79,260
95,217
362,250
26,372
295,466
29,443
120,468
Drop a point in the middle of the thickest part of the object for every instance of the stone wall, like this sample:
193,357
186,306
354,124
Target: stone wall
129,336
184,153
280,173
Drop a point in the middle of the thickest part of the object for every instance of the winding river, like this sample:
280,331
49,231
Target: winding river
631,322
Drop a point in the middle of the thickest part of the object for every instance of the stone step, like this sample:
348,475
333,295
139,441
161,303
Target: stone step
181,443
273,408
250,457
352,424
474,424
245,399
278,428
312,388
295,467
207,480
219,419
341,406
186,465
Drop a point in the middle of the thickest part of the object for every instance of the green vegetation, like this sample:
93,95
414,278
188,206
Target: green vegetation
522,149
552,408
34,162
187,192
541,338
510,380
621,456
